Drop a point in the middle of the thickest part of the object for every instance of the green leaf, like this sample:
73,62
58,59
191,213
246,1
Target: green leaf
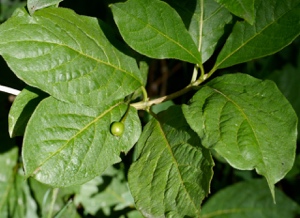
44,197
67,56
276,26
248,122
243,9
106,192
21,201
8,161
249,199
134,214
6,142
69,210
292,175
34,5
22,108
287,80
15,197
173,173
205,20
153,28
162,106
74,143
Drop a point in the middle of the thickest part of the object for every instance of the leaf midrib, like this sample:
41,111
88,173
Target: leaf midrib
177,167
250,39
80,53
161,33
247,119
201,24
75,135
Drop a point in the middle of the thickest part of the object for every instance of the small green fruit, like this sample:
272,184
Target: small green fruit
117,128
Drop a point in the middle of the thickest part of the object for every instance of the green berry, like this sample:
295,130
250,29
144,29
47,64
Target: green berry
117,128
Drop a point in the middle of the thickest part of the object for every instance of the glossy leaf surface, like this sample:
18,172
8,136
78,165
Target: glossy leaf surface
249,199
22,108
173,172
276,26
243,9
287,80
74,143
205,21
248,122
68,56
34,5
154,29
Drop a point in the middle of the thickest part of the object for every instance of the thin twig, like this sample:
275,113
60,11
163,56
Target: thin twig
9,90
146,104
54,197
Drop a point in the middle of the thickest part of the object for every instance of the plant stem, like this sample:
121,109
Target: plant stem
195,74
54,196
59,214
145,95
146,104
125,115
9,90
211,71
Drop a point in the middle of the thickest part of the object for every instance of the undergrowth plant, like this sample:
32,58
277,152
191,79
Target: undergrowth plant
87,82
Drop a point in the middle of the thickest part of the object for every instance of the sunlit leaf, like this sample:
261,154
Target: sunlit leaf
243,9
68,56
173,172
154,29
248,122
249,199
22,108
74,143
276,26
287,80
205,20
34,5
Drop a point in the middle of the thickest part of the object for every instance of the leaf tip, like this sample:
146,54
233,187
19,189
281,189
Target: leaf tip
272,190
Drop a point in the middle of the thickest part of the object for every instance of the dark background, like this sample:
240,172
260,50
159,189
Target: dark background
167,76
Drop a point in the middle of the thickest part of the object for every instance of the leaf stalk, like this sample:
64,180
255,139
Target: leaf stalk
144,105
9,90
